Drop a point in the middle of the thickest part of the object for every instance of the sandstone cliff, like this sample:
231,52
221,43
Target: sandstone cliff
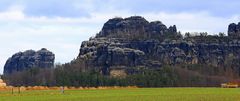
29,59
234,30
132,43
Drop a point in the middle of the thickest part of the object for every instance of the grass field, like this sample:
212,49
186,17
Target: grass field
130,94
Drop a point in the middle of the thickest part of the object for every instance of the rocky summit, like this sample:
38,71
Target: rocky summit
128,44
234,30
136,27
29,59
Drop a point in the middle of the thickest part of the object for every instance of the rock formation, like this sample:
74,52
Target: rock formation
29,59
135,27
234,30
132,43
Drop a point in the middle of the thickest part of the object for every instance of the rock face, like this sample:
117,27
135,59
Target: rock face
132,43
234,30
29,59
135,27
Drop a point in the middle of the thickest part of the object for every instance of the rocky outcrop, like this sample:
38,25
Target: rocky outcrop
104,53
116,47
29,59
135,27
234,30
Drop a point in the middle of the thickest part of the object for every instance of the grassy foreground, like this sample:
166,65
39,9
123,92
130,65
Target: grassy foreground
134,94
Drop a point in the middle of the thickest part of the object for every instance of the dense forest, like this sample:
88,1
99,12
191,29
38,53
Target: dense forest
167,76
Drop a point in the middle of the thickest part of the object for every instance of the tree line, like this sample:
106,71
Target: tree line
72,74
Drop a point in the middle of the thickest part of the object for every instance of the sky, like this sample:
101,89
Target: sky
61,25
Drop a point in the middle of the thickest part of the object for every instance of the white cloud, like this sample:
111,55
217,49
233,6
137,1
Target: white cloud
63,36
13,13
194,22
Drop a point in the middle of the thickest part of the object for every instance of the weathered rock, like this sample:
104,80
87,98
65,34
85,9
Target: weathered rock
135,27
234,30
111,49
102,53
172,29
29,59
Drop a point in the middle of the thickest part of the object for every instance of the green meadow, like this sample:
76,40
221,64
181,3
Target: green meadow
127,94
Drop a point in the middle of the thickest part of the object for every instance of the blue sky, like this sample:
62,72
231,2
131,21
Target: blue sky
61,25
